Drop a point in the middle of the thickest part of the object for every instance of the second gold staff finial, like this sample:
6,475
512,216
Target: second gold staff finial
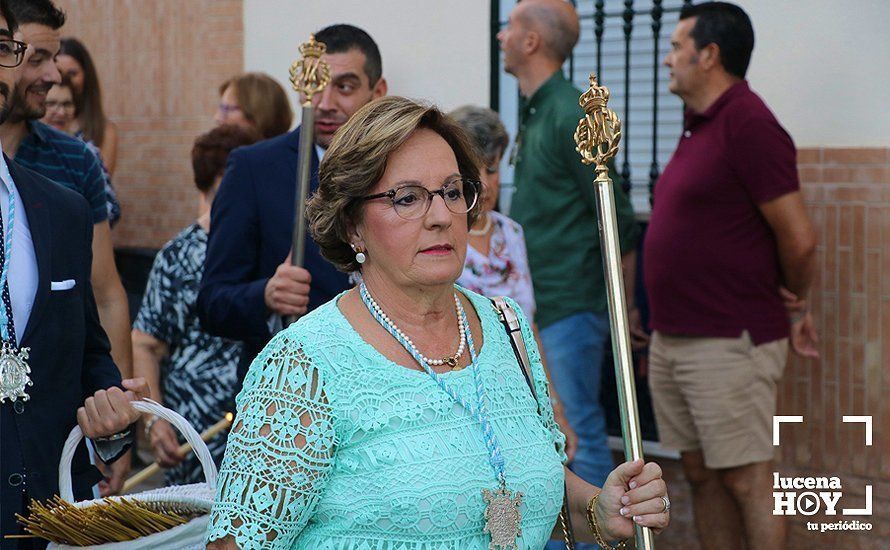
599,132
310,74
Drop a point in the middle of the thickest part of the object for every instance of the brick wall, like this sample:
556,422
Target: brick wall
160,63
847,192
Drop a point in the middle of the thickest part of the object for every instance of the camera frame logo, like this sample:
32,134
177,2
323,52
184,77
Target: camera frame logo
808,496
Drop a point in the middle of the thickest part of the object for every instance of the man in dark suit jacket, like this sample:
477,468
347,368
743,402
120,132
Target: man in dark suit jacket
248,282
69,356
49,309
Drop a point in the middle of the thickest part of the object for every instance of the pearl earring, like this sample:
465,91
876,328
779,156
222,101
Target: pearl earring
360,256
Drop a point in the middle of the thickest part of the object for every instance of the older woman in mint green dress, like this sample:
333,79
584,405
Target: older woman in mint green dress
396,416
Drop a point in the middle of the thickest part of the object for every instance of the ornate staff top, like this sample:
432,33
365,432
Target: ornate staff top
310,74
599,132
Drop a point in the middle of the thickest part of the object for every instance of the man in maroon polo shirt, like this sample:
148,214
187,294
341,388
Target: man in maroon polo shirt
728,260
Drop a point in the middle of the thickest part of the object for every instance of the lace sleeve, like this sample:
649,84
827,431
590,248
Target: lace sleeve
542,387
279,453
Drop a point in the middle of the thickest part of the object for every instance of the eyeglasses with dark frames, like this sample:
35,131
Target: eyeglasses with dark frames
413,201
12,52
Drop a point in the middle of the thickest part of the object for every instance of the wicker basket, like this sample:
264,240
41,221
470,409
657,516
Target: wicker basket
195,499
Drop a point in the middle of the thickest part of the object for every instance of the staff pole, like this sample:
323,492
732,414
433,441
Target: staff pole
309,76
597,138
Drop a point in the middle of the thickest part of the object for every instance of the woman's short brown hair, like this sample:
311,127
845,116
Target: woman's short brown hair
356,160
263,102
211,151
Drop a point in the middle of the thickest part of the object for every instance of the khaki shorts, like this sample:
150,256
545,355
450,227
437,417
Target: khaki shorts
717,395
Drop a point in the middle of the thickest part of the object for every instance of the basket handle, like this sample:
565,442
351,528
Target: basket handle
66,489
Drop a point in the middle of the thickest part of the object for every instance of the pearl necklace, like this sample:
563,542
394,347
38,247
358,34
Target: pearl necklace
450,361
484,230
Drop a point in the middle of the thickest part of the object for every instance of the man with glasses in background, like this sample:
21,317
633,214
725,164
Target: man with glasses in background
55,364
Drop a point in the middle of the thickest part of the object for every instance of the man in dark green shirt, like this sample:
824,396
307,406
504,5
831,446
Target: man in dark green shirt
555,204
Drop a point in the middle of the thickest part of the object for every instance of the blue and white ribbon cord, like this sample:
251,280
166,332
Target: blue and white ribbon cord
4,273
495,458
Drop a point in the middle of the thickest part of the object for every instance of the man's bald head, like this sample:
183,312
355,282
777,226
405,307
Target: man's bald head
556,21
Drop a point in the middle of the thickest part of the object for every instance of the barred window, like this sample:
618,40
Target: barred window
624,42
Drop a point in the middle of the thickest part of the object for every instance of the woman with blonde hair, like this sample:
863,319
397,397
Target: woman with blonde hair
396,416
256,101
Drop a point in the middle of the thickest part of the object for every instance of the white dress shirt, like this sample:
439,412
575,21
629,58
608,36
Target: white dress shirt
23,274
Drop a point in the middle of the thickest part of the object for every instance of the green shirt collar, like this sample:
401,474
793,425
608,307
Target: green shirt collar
547,89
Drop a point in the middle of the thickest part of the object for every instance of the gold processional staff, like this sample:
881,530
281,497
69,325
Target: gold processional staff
597,139
309,76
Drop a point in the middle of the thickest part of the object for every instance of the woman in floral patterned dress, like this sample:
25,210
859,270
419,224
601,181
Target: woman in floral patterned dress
497,260
187,369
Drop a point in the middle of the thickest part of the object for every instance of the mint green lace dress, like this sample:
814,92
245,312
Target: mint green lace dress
336,447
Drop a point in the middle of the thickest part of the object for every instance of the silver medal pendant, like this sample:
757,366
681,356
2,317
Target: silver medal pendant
14,372
503,520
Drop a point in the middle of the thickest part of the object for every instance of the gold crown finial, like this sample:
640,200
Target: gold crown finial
595,98
310,74
312,48
599,132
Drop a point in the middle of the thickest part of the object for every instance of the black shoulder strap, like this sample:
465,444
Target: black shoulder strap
510,321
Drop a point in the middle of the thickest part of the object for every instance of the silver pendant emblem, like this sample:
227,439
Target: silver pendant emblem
502,518
14,372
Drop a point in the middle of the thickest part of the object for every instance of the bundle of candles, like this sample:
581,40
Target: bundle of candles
113,520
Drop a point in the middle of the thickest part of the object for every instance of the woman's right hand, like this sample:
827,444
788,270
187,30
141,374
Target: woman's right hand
164,444
632,494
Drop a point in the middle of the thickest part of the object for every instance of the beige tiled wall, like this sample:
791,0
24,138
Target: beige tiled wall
161,63
847,193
